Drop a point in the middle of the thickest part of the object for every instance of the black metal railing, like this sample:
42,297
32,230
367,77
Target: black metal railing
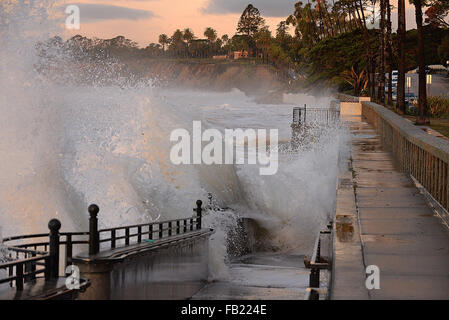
43,242
317,116
318,263
34,254
133,234
24,265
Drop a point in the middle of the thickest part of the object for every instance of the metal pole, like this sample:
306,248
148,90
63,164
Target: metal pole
54,225
198,214
68,251
314,295
19,275
305,113
314,280
94,236
296,124
408,94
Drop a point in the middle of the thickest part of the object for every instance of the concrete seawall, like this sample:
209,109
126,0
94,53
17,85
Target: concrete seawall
173,268
383,219
417,153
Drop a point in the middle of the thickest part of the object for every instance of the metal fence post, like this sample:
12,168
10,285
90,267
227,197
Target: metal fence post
94,236
68,251
314,295
296,125
318,251
54,225
305,112
19,275
198,214
314,280
47,268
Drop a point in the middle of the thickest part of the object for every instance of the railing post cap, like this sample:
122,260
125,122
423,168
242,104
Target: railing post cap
199,203
54,225
93,210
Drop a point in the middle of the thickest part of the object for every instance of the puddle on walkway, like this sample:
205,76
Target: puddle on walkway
345,228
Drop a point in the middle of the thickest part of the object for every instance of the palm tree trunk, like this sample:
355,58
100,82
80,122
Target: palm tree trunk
363,12
381,92
356,9
422,99
322,26
401,63
351,24
389,55
368,50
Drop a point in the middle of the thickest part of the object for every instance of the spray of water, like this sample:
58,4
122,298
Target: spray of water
71,138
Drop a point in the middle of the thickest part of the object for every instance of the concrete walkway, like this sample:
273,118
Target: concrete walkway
382,219
261,276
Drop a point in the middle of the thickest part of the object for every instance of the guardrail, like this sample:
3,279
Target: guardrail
418,153
39,254
319,116
150,231
24,265
318,263
33,254
42,242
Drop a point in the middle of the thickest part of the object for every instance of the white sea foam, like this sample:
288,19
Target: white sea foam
66,144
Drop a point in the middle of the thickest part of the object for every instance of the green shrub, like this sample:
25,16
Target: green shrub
438,106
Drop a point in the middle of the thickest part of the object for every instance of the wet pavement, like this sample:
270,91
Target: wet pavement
382,219
261,276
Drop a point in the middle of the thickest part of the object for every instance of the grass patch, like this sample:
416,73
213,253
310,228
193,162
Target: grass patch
440,125
438,107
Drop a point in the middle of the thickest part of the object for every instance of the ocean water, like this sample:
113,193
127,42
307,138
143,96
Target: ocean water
66,144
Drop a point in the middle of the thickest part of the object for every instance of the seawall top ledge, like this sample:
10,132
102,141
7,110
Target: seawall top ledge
437,146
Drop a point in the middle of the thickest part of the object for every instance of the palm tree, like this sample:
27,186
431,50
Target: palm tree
225,39
177,42
263,40
422,98
210,34
163,40
401,63
188,35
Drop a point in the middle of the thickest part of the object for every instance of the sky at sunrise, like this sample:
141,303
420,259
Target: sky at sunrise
143,20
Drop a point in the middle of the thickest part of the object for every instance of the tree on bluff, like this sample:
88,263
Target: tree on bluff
250,21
